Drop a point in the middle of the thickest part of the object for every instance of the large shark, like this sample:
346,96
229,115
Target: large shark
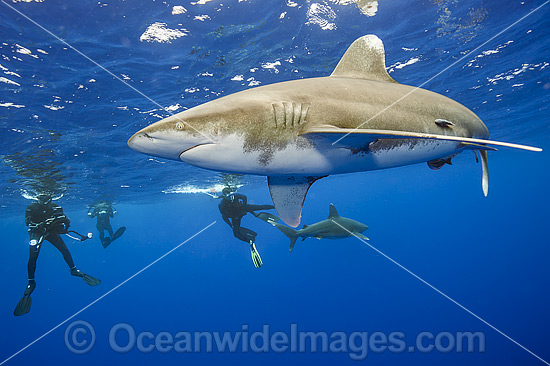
295,132
335,227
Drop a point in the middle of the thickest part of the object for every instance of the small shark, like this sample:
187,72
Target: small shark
295,132
335,227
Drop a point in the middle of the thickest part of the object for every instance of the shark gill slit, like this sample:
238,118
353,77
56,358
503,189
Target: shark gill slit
288,113
296,108
305,109
277,115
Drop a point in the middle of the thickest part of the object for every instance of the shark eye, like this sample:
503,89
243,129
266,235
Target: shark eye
180,125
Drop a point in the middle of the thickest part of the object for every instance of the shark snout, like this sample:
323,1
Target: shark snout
362,228
356,226
147,144
163,143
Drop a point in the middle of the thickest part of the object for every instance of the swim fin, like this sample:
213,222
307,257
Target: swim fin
118,233
255,256
24,304
249,234
92,281
267,217
106,242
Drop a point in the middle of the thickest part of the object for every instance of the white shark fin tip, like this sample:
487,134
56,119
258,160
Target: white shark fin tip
288,194
364,59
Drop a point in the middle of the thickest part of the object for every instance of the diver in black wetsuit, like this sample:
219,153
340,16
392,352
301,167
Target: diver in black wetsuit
233,208
46,221
104,210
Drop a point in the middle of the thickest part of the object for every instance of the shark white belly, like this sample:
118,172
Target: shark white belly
309,157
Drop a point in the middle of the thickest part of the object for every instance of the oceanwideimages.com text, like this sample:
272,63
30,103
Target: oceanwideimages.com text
123,338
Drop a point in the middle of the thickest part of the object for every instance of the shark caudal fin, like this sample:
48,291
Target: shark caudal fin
290,232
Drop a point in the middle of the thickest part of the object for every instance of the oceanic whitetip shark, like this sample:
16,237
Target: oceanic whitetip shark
295,132
335,227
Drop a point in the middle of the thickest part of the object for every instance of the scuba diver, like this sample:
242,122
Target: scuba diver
233,208
104,210
46,221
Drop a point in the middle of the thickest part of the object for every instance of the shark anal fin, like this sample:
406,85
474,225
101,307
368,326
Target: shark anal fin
485,168
288,194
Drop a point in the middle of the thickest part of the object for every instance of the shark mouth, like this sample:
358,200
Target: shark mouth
192,147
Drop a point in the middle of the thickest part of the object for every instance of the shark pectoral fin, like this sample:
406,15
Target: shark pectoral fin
485,167
360,236
364,59
355,135
288,194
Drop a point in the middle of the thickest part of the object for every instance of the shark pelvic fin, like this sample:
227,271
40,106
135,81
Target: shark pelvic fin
288,194
364,59
332,213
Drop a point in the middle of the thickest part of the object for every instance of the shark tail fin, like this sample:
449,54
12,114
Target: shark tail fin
290,232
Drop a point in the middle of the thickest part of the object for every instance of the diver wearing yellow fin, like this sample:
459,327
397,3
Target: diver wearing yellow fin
233,208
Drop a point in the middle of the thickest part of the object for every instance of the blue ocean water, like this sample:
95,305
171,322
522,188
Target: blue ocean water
67,110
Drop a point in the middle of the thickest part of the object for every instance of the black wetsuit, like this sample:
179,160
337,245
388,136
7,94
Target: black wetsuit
46,222
103,211
234,207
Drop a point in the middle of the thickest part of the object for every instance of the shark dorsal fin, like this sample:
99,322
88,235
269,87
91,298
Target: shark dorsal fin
364,59
332,213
